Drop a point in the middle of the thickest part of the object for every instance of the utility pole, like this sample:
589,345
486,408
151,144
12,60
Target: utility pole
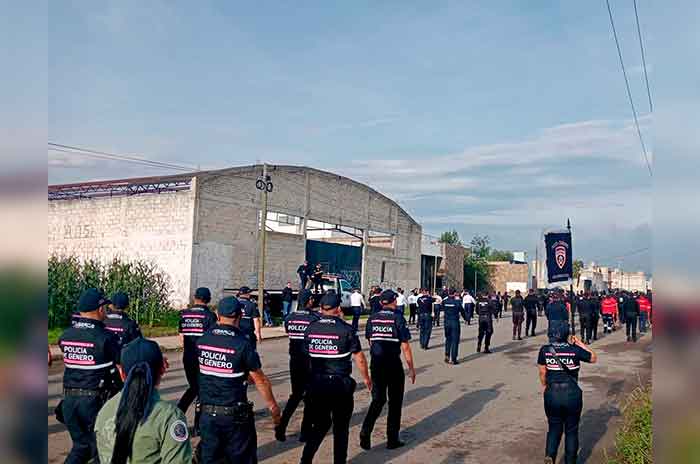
475,277
261,253
571,286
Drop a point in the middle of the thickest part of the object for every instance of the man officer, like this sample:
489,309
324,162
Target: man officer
250,320
517,303
90,355
388,336
531,303
299,366
118,321
226,362
585,313
330,343
469,303
630,307
425,317
452,308
194,322
484,312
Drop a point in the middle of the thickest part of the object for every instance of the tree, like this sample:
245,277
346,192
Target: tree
475,267
450,237
480,246
577,266
500,255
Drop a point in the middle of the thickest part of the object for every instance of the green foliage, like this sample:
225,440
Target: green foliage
500,255
577,266
634,440
450,237
480,246
475,267
147,287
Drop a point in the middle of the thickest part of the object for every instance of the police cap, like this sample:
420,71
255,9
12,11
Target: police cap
388,296
120,300
91,300
203,294
244,290
229,307
330,300
141,350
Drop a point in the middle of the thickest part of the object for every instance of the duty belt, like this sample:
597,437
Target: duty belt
81,392
241,410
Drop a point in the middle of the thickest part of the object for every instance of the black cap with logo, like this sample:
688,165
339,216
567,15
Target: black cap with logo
91,300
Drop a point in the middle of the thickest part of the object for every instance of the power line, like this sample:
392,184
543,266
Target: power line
118,157
627,86
644,62
624,255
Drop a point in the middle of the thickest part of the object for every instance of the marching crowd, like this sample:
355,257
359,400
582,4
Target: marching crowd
113,412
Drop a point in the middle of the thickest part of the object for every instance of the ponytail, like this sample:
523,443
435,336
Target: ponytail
134,407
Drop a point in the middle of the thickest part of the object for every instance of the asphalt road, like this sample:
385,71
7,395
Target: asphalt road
487,407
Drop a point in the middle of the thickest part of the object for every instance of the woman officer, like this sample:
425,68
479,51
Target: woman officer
559,364
136,425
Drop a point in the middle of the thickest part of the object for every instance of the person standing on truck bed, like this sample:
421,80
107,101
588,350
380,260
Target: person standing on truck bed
304,271
317,279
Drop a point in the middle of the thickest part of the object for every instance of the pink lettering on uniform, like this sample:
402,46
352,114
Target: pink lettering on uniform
115,329
75,361
217,349
299,322
384,321
83,344
196,316
332,337
215,369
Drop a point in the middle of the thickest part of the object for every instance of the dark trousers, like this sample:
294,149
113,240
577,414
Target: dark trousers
318,287
425,324
400,310
191,366
530,320
302,282
631,325
436,315
412,313
331,401
79,415
518,324
595,321
485,332
387,381
356,313
469,307
452,334
607,323
228,440
586,328
299,370
563,403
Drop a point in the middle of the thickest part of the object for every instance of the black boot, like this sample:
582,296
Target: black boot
365,442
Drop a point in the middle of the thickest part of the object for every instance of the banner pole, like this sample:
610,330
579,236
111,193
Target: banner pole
572,301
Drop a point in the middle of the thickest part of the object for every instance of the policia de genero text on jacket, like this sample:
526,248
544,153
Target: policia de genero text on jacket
559,364
194,322
331,344
299,365
452,308
90,356
227,361
137,425
388,336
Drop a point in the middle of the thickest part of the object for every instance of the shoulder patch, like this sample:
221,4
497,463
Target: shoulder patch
178,431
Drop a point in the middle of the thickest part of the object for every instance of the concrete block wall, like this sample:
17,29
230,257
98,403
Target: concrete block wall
503,272
150,227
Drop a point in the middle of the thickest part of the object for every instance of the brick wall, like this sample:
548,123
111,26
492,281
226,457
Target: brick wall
503,272
150,227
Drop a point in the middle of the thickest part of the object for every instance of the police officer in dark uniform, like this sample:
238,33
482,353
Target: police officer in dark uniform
194,322
586,309
226,362
495,305
517,303
541,302
484,312
250,321
388,336
630,307
331,343
595,300
118,321
90,356
556,308
425,317
375,304
299,365
531,303
453,308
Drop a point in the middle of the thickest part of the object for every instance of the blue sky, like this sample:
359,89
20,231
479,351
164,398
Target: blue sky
498,118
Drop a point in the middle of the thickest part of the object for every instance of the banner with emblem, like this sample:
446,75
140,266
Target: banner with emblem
559,256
